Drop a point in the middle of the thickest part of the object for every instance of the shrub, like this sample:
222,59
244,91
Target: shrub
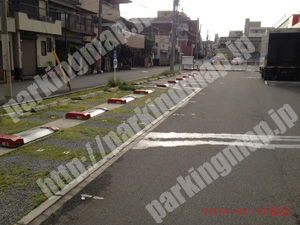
113,83
124,86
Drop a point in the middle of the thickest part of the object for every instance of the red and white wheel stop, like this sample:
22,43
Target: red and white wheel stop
143,92
162,85
26,137
86,115
121,100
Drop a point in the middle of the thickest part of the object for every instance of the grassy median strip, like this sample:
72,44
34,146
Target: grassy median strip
162,75
124,86
7,126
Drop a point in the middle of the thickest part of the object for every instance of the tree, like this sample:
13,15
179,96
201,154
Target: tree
147,51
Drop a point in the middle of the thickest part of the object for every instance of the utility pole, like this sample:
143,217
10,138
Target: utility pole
180,53
100,18
176,2
100,31
5,53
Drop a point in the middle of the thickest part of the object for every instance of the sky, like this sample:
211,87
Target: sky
217,16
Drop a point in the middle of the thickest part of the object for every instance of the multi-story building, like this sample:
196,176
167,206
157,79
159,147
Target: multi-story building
110,8
217,39
249,24
37,27
40,26
187,36
235,33
111,16
33,30
11,26
255,34
77,24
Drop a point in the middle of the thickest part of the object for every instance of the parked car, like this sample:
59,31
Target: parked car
219,59
214,60
237,61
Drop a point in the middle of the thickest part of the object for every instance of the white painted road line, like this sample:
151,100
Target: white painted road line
154,140
173,135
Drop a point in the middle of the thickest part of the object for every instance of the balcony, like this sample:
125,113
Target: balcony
36,13
35,19
78,23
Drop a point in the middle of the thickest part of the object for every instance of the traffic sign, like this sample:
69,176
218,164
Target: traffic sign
115,63
115,54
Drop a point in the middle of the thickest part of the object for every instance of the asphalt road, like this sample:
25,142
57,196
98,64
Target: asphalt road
231,105
87,81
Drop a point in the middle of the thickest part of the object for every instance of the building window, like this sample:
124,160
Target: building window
49,45
43,48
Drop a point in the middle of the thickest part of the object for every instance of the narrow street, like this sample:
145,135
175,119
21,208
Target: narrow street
190,137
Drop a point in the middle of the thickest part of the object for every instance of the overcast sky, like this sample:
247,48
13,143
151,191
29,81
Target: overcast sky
217,16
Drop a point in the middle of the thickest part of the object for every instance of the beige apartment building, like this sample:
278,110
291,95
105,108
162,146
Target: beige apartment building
32,37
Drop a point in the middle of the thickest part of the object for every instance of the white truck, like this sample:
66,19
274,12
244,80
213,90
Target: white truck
188,62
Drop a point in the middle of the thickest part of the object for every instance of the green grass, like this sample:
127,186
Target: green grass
124,86
107,120
7,126
19,178
120,111
80,133
68,107
50,152
114,83
163,74
38,199
2,112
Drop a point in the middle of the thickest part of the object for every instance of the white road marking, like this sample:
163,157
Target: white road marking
98,198
84,196
168,140
174,135
172,144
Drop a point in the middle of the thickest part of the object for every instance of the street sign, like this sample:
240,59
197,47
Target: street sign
115,64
